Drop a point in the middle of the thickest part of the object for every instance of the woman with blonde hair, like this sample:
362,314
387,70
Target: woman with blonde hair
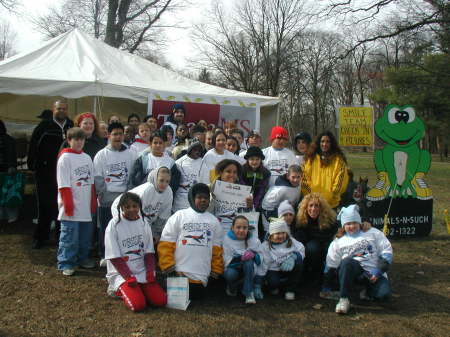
316,227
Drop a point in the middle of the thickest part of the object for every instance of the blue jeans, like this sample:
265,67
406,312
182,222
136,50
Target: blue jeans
288,280
246,270
104,217
74,243
350,272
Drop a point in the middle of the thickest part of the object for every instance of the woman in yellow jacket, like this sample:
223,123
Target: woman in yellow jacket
325,169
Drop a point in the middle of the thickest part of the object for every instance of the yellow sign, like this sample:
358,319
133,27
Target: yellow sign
356,126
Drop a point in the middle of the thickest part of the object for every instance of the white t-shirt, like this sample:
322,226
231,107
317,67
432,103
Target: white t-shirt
300,159
209,162
154,204
77,172
233,247
195,235
114,167
189,175
139,145
130,240
151,162
276,194
364,247
278,161
273,258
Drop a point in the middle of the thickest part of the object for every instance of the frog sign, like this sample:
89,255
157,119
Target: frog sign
401,201
401,164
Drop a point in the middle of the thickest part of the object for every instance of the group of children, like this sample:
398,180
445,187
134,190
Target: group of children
148,202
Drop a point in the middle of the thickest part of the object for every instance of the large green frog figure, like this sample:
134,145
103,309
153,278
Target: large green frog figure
401,164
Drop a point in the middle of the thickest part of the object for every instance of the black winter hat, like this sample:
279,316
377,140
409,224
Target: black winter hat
254,151
303,135
193,191
195,143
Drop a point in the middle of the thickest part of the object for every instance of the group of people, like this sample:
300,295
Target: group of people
151,195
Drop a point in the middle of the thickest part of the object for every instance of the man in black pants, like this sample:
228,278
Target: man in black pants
42,157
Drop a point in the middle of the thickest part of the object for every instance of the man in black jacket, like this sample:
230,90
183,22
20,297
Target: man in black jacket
42,157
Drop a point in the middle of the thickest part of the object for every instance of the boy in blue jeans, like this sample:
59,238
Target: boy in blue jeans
112,167
76,203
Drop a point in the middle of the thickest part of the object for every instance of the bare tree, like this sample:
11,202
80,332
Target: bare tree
8,4
7,40
228,52
406,15
124,24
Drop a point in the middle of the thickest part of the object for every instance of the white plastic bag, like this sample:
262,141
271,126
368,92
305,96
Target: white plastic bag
178,293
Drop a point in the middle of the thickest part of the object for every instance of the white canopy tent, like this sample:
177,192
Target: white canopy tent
75,65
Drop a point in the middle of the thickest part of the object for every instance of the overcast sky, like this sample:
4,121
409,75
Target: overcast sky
179,46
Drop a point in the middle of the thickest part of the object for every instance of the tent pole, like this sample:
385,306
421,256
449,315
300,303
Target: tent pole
94,110
278,114
258,117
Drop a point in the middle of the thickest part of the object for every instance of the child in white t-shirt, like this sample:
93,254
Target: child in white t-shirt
150,159
112,167
282,259
189,168
131,257
241,257
214,156
287,187
142,141
77,202
156,197
357,256
278,158
191,243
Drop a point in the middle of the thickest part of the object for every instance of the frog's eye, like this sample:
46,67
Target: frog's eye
392,115
411,114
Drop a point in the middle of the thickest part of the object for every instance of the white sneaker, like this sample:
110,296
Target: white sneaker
68,272
275,292
102,263
343,306
230,292
12,220
88,264
289,296
250,299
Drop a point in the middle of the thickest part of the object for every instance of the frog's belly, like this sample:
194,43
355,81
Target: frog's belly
400,160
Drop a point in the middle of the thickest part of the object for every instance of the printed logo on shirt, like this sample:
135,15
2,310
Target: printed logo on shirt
82,175
118,172
152,210
279,166
280,259
360,250
134,241
191,179
196,234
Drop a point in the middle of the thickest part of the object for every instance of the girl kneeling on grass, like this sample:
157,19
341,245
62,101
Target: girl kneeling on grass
282,259
131,257
358,256
241,256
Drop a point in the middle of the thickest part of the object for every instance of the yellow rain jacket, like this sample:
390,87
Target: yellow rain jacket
329,180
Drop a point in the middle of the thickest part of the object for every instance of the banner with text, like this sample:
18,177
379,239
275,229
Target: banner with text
213,114
356,126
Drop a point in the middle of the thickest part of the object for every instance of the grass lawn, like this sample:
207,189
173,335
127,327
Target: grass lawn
36,300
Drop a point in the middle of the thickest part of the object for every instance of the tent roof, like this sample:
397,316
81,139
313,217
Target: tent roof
74,65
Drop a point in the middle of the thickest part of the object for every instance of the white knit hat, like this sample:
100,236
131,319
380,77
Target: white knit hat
284,208
278,226
349,214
